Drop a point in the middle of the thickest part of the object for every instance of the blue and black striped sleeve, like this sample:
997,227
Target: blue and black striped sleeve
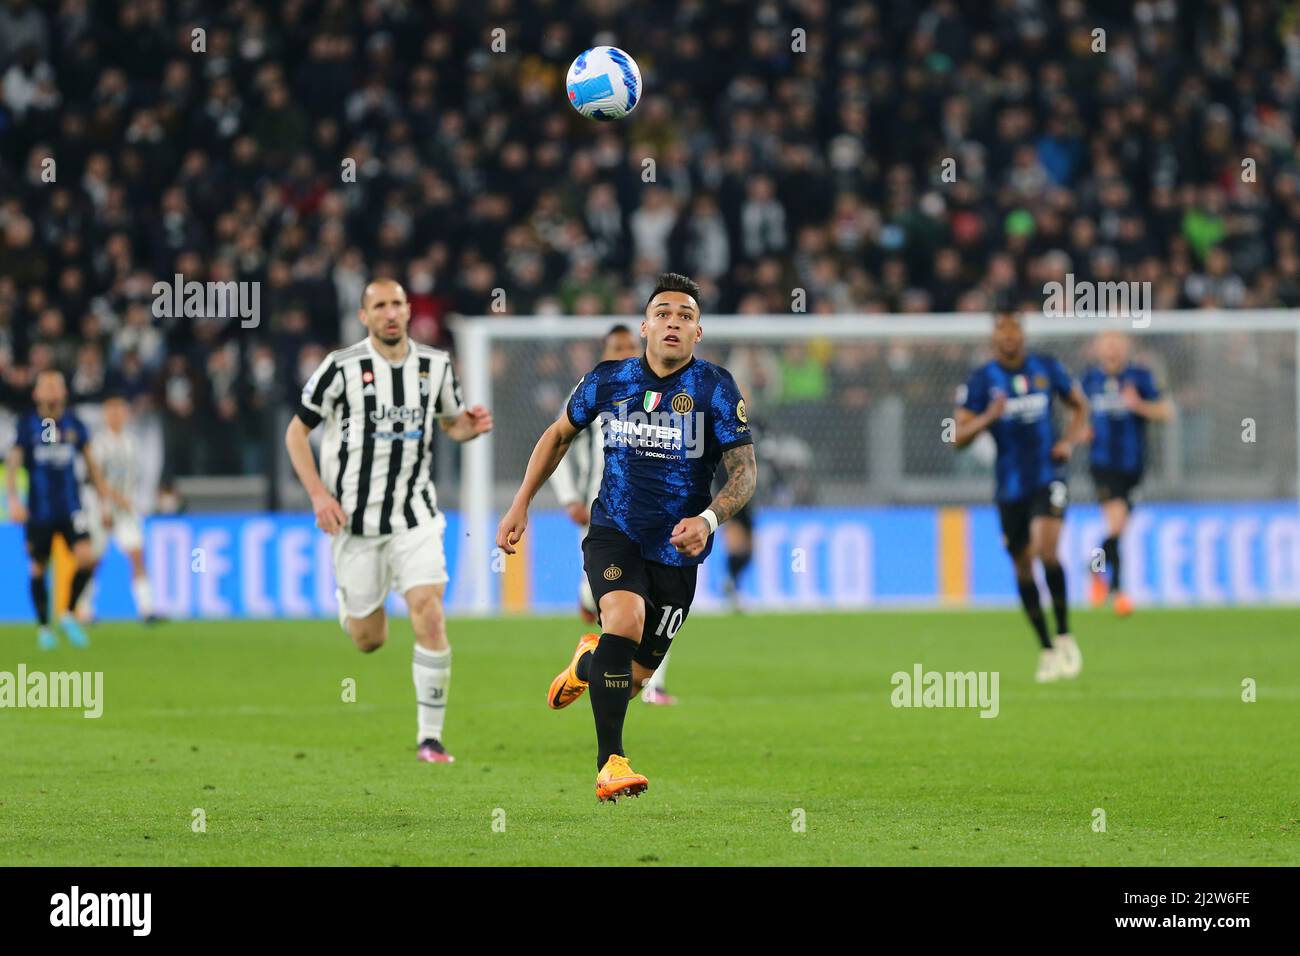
730,418
581,407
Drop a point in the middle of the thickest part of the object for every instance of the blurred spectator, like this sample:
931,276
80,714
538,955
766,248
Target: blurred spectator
935,156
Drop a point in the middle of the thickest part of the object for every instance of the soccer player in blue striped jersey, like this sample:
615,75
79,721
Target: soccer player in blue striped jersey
1123,396
668,420
49,440
1011,397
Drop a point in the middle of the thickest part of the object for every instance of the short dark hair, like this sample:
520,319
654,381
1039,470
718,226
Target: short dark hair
616,329
675,282
375,280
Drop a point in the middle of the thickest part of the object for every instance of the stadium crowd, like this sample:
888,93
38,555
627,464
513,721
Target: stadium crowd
902,156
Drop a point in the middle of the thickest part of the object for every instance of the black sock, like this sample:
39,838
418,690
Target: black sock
1034,610
1054,574
41,598
736,564
80,578
1110,548
609,690
583,667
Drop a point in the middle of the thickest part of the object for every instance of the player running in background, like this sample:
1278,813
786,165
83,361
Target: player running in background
668,419
49,439
1123,397
118,454
373,494
576,480
1011,396
577,483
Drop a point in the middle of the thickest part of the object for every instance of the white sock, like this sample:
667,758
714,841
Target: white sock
143,595
87,599
658,678
431,671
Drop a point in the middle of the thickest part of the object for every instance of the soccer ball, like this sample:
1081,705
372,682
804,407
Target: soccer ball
604,83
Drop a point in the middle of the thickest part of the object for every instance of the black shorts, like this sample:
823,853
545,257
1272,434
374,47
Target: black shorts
1112,483
40,535
1049,501
613,562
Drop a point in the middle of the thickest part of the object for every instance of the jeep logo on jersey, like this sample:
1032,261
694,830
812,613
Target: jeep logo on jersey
396,413
651,401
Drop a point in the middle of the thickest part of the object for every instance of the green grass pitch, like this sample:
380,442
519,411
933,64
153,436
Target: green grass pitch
778,713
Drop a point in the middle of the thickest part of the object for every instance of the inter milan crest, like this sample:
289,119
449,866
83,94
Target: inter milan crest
651,401
682,403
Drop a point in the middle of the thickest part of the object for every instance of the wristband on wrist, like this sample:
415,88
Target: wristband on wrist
708,515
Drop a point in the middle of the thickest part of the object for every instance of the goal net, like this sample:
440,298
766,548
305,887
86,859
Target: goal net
851,411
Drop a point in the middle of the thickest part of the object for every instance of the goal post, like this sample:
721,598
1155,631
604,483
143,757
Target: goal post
850,410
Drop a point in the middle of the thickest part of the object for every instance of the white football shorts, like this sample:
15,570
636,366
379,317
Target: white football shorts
367,567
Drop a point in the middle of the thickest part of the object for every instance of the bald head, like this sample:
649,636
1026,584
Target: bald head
1112,350
50,392
385,312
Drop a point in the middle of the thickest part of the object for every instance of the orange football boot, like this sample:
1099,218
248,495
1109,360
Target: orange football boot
1123,604
566,688
1100,590
617,779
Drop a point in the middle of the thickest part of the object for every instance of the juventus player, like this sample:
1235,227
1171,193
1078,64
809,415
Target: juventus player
117,453
378,400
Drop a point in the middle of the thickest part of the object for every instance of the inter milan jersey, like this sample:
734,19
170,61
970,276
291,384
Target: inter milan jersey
50,448
663,439
1119,435
1024,434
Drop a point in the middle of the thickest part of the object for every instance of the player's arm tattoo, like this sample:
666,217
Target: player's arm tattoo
742,475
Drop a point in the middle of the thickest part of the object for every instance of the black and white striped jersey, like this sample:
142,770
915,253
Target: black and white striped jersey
379,421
